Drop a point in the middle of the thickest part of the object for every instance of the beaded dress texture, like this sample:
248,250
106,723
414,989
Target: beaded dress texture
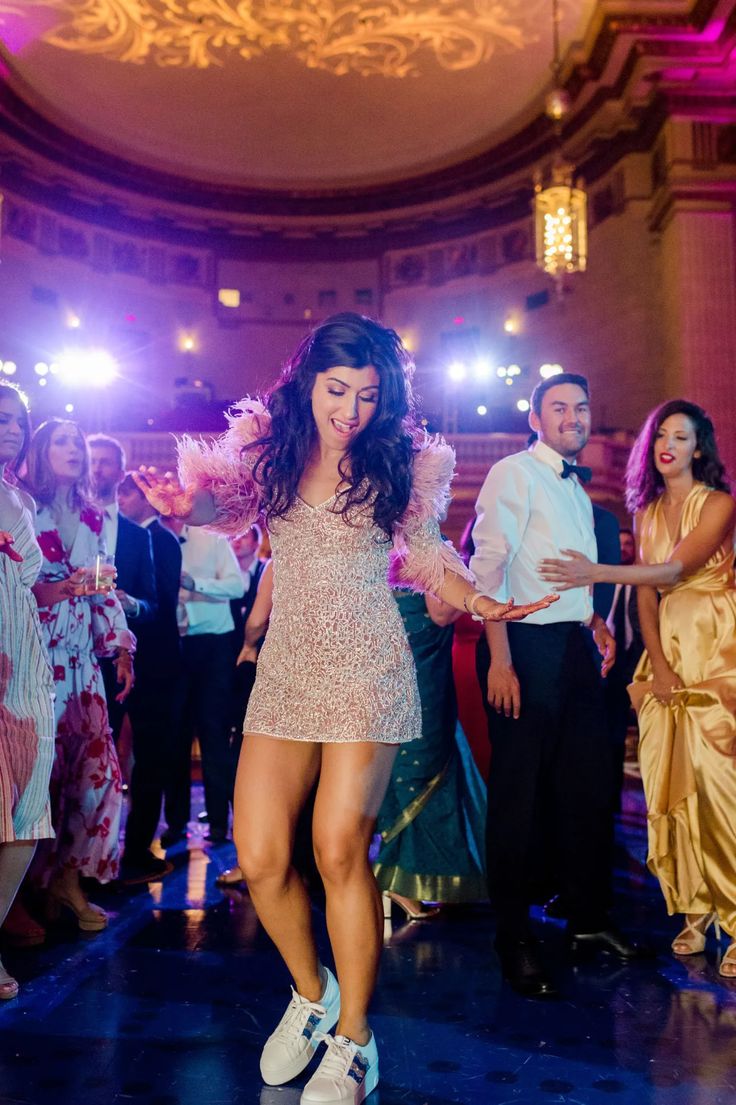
336,665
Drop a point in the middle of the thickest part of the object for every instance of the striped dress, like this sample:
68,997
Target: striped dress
26,696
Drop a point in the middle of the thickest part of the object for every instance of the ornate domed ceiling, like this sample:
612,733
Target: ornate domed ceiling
318,94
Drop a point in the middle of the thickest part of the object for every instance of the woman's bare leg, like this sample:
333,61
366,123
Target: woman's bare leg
15,856
352,783
273,781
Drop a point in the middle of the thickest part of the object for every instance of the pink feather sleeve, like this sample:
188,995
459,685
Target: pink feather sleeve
224,467
420,558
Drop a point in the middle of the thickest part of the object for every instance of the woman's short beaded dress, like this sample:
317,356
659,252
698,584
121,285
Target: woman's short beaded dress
336,665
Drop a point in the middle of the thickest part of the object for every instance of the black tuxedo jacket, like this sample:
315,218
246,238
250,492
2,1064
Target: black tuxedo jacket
241,608
134,563
159,643
608,542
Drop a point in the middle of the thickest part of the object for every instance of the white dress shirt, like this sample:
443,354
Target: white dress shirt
611,619
248,573
527,512
212,564
110,526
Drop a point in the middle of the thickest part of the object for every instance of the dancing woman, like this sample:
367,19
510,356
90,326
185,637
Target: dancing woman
684,688
351,492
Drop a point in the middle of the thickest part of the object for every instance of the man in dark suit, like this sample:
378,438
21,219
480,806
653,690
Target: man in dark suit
152,705
623,622
605,527
251,567
135,583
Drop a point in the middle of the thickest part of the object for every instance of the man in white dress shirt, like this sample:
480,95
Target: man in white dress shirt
551,768
131,546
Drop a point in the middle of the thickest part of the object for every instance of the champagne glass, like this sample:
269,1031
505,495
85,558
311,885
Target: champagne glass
101,573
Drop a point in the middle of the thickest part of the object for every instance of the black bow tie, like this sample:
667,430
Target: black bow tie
585,475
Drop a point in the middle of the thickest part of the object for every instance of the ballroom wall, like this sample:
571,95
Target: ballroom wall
653,316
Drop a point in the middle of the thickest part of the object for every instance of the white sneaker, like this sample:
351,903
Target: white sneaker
290,1047
347,1074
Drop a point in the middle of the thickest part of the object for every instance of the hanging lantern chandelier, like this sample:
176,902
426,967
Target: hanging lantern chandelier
560,208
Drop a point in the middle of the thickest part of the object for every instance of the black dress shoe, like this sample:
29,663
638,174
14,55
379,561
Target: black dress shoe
611,942
144,868
522,968
557,907
170,837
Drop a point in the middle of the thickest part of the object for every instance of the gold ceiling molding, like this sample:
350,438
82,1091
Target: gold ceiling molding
392,38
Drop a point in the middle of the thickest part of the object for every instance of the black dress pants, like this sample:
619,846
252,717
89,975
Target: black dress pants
244,677
550,784
205,707
116,711
153,712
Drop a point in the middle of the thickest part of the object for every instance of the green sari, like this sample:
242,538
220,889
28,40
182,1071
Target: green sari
432,821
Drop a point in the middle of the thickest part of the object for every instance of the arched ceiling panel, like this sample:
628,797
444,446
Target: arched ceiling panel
267,93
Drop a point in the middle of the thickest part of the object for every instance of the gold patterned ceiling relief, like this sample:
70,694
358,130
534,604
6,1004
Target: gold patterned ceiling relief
392,38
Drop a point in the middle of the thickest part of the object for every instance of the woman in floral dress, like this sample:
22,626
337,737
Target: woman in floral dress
86,793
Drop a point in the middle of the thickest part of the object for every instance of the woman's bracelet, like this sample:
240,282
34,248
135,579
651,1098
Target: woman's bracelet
470,605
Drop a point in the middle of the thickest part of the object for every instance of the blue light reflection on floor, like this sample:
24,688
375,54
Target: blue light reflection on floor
171,1004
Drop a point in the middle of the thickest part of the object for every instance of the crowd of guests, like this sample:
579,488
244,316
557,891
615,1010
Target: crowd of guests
112,619
115,618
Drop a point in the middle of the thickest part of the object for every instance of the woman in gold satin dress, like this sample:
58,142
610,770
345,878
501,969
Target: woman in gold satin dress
684,688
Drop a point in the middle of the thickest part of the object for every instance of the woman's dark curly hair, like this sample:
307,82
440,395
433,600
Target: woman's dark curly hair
644,483
377,468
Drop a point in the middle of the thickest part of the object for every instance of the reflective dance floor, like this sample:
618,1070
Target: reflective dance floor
171,1005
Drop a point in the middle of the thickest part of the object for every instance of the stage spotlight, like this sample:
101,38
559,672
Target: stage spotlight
522,405
509,382
501,372
457,372
42,382
87,368
513,370
41,369
547,370
54,368
481,410
482,369
73,321
10,368
69,408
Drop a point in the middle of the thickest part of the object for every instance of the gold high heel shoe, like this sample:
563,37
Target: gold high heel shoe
692,938
729,962
90,918
233,876
407,906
